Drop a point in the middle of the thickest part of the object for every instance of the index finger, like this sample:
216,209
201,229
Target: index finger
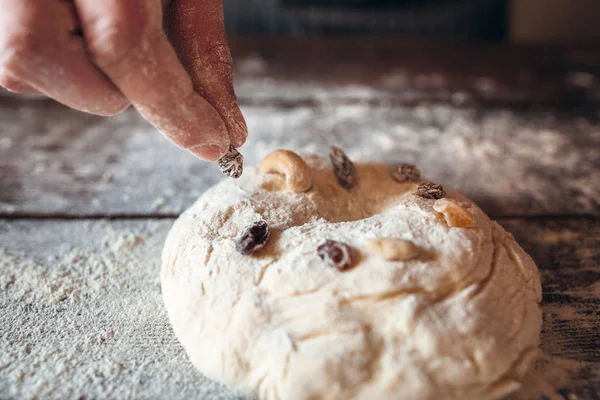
125,40
197,32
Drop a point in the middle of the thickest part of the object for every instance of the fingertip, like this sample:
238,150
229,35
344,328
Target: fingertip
111,109
208,152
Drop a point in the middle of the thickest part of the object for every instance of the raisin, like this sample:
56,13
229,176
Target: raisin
404,173
430,190
232,163
253,238
335,254
344,169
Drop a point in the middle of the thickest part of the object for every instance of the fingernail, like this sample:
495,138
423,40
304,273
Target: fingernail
209,152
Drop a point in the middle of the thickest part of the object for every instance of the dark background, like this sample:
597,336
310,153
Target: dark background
449,19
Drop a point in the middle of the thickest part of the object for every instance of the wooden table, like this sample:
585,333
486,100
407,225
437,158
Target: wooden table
516,129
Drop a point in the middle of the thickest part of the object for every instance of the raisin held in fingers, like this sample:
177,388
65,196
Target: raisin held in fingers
431,190
253,238
232,163
335,254
344,169
404,173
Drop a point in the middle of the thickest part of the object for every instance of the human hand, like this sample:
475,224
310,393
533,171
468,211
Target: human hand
171,61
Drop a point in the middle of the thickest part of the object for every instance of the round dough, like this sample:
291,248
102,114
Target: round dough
459,321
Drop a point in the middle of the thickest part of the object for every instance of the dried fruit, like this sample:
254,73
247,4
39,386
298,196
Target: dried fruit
392,249
232,163
454,214
335,254
404,173
253,238
430,190
344,169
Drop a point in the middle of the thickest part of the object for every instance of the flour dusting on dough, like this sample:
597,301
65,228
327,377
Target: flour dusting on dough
461,320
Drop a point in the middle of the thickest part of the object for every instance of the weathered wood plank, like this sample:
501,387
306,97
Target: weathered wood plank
412,71
568,255
60,162
83,315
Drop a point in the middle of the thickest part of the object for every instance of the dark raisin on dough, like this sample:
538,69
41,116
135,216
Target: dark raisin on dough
431,190
404,173
344,169
232,163
335,254
253,238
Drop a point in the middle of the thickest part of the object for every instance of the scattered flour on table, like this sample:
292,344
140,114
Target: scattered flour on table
88,320
517,156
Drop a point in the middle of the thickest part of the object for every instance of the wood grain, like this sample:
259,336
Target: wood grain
128,253
567,253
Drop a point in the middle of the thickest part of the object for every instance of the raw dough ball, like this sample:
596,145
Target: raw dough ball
459,321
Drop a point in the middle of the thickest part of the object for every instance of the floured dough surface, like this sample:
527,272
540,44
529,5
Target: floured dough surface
459,321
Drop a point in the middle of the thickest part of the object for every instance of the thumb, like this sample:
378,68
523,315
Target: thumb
196,31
